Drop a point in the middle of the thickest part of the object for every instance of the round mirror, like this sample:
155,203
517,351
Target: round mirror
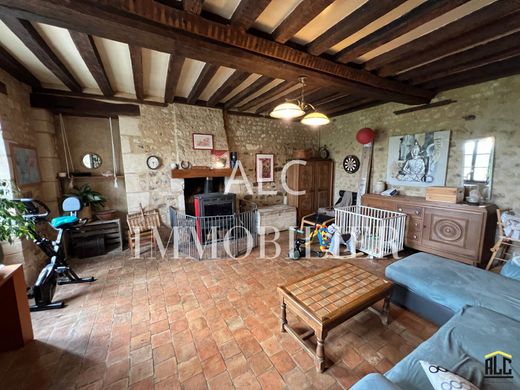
91,160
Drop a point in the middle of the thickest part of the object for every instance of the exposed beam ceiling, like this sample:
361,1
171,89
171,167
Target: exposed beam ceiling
413,19
16,69
30,37
136,56
299,17
358,19
284,86
237,78
172,77
436,39
203,80
247,12
257,85
291,96
166,29
88,51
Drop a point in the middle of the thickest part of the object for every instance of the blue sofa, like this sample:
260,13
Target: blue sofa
480,313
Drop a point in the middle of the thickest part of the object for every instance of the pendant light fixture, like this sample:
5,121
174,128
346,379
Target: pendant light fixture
297,108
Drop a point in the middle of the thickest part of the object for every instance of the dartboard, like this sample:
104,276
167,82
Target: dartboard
351,164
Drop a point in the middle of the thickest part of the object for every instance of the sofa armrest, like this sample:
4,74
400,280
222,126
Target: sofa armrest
374,382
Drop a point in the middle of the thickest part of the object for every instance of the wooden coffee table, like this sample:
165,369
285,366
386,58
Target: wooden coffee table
327,299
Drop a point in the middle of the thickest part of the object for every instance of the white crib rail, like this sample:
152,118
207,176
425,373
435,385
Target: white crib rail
377,232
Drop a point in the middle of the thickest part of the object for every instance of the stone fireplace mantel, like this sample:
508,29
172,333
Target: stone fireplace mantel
200,172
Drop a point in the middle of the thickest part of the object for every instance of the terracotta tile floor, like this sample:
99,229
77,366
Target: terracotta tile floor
170,324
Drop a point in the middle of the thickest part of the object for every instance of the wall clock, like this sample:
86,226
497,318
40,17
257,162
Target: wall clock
153,162
351,164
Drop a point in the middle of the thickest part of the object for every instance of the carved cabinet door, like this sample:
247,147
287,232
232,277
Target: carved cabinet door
448,230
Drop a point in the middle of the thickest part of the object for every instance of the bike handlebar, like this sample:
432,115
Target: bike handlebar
33,206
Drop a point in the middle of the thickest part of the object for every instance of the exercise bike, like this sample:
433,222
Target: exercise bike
57,271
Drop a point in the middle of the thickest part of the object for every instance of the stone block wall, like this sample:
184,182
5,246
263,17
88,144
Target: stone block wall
482,110
167,132
23,125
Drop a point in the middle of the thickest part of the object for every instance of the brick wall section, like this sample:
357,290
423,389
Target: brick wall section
495,107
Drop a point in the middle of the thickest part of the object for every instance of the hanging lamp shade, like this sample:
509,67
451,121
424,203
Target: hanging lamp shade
315,119
287,110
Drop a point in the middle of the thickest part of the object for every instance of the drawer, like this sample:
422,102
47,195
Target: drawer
414,228
411,210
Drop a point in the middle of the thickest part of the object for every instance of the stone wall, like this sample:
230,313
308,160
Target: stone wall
167,133
23,125
92,135
487,109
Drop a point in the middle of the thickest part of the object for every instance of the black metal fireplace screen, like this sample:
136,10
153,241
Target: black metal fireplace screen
214,236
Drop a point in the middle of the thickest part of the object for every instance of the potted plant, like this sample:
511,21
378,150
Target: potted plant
12,223
90,199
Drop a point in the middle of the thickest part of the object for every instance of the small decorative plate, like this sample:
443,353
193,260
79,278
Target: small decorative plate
351,164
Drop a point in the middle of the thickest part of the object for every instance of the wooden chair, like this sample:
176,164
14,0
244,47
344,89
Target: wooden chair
142,224
501,249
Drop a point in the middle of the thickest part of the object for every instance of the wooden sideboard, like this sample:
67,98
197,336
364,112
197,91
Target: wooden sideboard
456,231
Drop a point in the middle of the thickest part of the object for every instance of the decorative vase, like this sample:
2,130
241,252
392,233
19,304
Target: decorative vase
85,213
379,187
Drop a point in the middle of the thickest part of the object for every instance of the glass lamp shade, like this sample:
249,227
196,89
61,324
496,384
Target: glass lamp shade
287,110
315,119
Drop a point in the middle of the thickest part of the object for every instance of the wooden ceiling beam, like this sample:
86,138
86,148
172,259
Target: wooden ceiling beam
330,98
455,44
202,82
299,17
503,47
136,57
24,30
315,98
247,12
284,86
193,7
81,106
416,17
481,74
172,77
88,51
237,78
364,15
12,66
443,40
258,84
347,110
159,27
341,103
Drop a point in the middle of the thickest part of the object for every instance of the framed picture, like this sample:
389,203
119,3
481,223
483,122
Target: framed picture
418,160
264,168
203,141
219,158
25,165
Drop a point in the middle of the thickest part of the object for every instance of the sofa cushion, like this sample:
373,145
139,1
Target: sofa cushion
374,382
511,270
460,345
442,378
455,285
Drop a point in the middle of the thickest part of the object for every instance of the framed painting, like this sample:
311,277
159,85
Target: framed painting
418,160
25,165
264,168
202,141
219,158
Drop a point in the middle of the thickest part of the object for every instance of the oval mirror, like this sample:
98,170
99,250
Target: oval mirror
91,160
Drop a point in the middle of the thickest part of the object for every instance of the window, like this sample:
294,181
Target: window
478,157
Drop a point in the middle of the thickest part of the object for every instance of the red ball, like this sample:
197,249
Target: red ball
365,135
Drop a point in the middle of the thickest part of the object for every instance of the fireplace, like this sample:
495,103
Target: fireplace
214,204
200,185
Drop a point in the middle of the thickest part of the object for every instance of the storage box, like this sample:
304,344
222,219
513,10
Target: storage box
445,194
280,217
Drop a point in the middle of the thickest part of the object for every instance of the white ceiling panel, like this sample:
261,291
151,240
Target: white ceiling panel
216,82
274,14
155,70
118,66
18,50
189,74
261,91
224,8
63,46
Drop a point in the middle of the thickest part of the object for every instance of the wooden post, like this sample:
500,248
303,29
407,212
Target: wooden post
320,351
283,316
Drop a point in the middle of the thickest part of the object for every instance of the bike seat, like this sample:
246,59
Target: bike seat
64,222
